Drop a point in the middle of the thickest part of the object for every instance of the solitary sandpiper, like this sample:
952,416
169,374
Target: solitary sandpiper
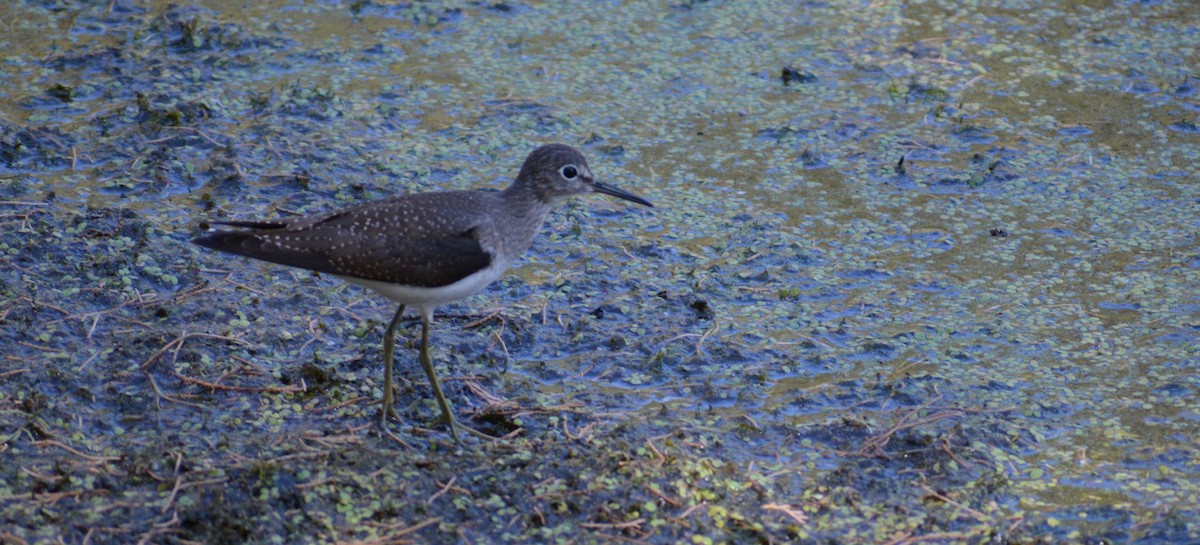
423,249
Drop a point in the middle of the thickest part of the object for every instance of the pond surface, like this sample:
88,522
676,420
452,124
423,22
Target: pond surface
917,272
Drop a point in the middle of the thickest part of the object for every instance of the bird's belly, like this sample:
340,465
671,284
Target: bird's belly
431,297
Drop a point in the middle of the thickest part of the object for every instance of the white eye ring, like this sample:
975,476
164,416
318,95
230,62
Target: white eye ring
569,172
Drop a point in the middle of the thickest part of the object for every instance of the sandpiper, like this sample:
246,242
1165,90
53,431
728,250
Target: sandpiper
424,249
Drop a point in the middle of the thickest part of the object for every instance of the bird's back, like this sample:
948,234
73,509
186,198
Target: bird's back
421,240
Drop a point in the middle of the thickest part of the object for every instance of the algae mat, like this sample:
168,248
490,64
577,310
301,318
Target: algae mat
919,273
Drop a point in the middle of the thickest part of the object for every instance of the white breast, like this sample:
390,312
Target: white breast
432,297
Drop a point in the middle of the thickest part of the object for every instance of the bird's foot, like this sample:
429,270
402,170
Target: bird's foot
387,432
454,425
478,434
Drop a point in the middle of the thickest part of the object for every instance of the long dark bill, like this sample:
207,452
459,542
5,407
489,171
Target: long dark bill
620,193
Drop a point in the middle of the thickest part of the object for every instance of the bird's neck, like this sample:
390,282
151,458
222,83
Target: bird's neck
524,195
526,213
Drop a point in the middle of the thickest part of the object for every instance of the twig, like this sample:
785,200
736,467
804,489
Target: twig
791,511
978,516
178,342
442,491
662,496
635,523
256,389
7,374
88,457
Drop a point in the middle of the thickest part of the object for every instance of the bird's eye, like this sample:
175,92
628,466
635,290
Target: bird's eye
569,172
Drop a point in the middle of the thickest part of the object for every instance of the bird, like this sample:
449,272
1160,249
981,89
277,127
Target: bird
422,250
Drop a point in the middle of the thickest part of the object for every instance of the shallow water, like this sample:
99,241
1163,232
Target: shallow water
940,282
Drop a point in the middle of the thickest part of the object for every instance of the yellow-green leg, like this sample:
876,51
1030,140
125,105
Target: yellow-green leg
389,396
427,365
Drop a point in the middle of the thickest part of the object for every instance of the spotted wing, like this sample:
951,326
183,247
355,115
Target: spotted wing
381,241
